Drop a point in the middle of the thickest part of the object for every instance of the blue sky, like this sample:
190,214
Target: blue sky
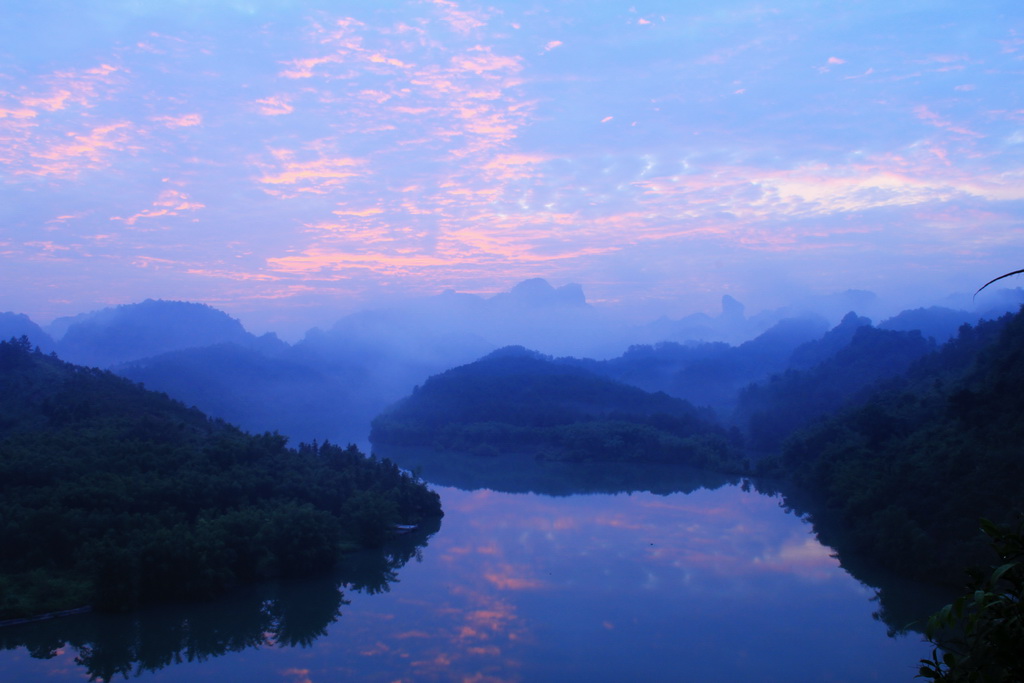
292,161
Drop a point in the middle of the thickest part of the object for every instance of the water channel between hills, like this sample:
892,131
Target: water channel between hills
686,578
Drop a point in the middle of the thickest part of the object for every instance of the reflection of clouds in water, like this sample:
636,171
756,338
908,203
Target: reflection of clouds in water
802,556
297,675
466,625
720,542
610,587
472,635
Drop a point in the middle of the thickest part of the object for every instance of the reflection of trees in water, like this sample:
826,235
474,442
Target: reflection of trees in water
285,614
903,605
526,473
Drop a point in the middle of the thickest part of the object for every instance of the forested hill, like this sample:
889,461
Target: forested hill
113,496
515,400
909,472
773,409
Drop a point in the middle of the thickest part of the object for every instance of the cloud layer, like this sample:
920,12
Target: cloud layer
249,153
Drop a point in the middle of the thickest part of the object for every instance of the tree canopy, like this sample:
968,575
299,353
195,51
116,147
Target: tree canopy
112,495
515,400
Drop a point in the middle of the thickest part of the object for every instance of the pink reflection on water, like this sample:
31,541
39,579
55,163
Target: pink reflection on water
722,533
496,549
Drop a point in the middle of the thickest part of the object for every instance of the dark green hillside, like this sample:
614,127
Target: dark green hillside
771,410
909,472
515,401
114,496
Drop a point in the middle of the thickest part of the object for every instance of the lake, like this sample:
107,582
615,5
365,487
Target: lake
594,576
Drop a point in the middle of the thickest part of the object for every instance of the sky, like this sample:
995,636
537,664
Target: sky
292,161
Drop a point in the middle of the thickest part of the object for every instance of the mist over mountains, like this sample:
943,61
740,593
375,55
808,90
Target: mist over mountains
335,380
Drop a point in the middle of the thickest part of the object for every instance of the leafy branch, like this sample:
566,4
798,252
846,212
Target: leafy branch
988,620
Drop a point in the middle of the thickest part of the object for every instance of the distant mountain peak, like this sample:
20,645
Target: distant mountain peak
731,308
538,292
851,319
131,331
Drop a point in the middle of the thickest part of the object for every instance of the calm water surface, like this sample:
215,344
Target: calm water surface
711,585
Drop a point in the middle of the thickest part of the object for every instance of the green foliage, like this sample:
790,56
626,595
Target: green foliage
776,408
982,632
116,496
514,401
909,468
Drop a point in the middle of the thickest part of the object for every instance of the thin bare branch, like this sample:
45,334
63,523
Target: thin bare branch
1016,272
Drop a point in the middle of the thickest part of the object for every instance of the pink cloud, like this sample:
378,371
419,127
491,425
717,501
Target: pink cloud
170,203
317,175
17,113
304,68
462,21
81,87
315,260
182,121
481,60
362,213
82,151
276,105
928,116
391,61
513,166
52,102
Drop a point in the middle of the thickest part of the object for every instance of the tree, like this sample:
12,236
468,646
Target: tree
988,621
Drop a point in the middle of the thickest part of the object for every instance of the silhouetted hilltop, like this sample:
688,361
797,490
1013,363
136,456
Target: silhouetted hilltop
334,381
516,400
17,325
133,331
711,374
114,496
538,293
809,354
733,326
937,322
